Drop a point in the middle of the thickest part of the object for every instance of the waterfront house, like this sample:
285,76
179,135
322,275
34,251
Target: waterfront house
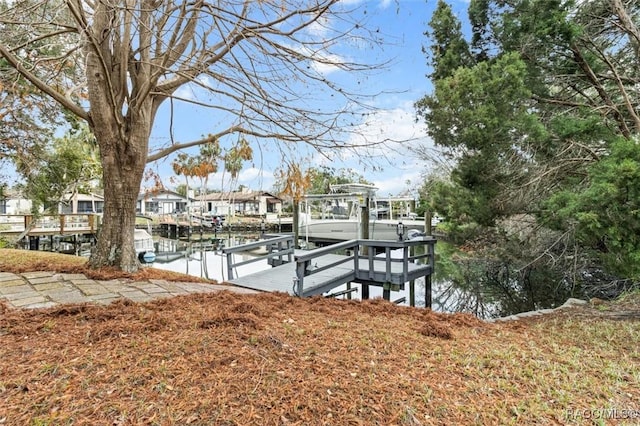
162,202
81,204
14,203
243,202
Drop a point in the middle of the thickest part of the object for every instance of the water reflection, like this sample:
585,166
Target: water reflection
204,258
489,286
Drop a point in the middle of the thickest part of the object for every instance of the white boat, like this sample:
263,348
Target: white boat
340,216
351,229
145,249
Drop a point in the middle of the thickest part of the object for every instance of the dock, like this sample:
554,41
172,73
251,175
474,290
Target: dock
51,232
47,225
319,271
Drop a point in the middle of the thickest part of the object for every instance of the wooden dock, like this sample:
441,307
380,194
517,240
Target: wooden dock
46,225
309,273
65,233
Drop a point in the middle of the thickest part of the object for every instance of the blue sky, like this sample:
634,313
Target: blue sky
402,23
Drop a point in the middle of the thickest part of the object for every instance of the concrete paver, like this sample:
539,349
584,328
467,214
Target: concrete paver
93,290
16,289
7,276
35,300
41,289
44,280
48,286
36,274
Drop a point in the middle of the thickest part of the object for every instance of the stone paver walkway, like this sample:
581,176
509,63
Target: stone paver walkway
33,290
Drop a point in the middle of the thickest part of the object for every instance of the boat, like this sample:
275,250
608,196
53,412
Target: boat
340,213
350,229
143,242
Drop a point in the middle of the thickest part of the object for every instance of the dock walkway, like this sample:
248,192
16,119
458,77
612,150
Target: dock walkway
308,273
46,225
283,278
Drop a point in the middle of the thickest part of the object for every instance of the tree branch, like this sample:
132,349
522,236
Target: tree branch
41,85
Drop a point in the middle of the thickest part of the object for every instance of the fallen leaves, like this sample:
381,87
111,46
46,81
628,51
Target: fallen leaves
229,359
273,359
19,261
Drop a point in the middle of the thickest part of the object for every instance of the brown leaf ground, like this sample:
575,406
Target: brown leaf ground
18,261
271,359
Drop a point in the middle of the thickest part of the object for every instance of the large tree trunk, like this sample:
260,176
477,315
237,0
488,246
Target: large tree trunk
123,141
123,163
116,238
120,117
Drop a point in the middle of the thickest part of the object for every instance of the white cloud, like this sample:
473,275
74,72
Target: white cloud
326,64
190,91
396,185
391,164
185,92
256,178
399,165
385,3
252,177
385,132
320,28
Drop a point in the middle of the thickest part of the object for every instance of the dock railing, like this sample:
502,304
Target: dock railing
408,256
357,251
374,262
48,224
279,250
304,261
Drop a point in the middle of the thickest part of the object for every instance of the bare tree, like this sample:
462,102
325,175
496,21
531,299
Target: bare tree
260,64
28,116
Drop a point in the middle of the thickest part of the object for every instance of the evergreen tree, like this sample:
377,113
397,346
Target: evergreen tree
448,49
542,124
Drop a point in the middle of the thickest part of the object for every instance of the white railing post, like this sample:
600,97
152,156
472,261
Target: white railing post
229,266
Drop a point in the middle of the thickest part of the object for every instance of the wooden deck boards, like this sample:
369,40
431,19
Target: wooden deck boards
282,278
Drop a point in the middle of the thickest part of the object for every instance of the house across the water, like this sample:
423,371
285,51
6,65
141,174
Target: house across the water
162,202
14,203
244,202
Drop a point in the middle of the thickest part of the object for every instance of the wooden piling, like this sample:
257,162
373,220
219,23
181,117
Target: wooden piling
412,293
386,292
428,229
296,222
427,279
34,242
364,295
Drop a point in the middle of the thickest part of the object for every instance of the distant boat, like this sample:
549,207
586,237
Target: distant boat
350,229
339,223
143,242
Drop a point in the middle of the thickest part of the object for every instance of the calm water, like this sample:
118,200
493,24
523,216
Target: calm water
191,259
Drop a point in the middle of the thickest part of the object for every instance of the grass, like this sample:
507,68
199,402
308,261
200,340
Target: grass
226,359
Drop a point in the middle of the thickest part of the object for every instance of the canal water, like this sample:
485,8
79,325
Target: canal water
205,258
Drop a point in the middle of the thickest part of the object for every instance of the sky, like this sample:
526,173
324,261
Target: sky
402,23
